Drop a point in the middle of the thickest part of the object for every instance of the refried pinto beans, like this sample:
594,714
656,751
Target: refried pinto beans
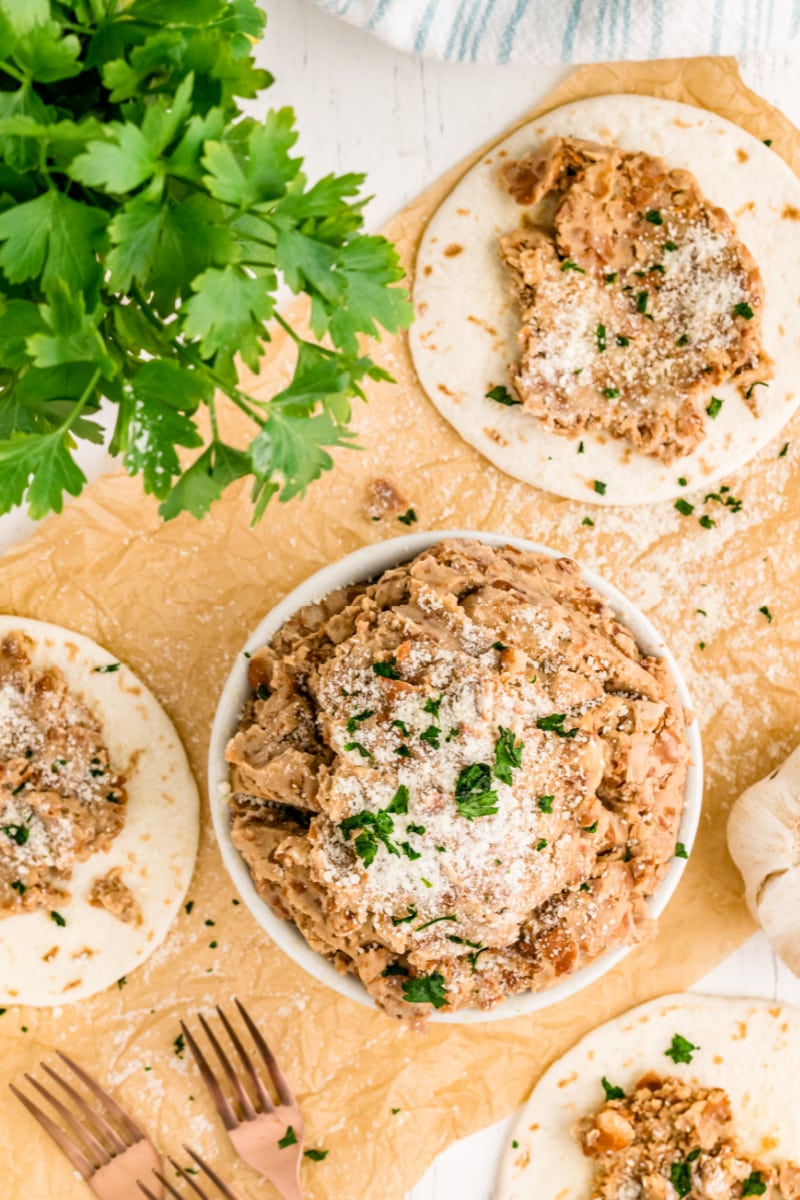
637,298
667,1139
461,780
60,798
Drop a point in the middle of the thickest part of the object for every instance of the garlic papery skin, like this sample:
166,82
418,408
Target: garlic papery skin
764,842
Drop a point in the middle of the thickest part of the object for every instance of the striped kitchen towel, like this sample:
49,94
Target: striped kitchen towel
552,31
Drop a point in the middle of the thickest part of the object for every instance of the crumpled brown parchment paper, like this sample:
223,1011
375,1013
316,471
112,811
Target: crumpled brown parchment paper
176,601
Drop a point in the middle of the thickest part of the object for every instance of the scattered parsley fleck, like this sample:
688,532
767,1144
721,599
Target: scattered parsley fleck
288,1139
622,340
714,407
57,917
612,277
612,1093
316,1155
19,887
546,803
411,915
426,989
362,750
515,1145
581,449
387,669
555,724
409,851
591,828
587,521
499,646
453,733
784,450
599,487
409,517
435,920
542,842
654,217
611,393
764,610
123,979
108,669
394,969
213,945
427,883
418,829
356,719
431,736
395,1111
743,310
474,794
680,1049
641,302
584,887
683,340
754,1185
680,850
701,645
502,395
208,921
432,706
684,507
401,725
670,246
758,383
17,833
403,751
683,481
179,1045
263,692
767,141
706,521
188,906
507,754
600,334
569,265
680,1176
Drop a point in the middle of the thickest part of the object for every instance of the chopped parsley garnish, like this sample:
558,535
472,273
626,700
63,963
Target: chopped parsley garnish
670,246
569,265
587,521
654,217
754,1185
108,669
431,736
743,310
362,750
419,829
435,920
683,340
546,803
432,706
701,645
680,850
394,969
590,828
584,887
622,340
409,517
376,829
600,334
474,794
658,267
612,1093
515,1145
767,141
599,487
453,733
288,1139
401,725
555,724
179,1045
684,507
213,945
680,1049
399,801
356,719
764,610
426,989
122,981
641,302
683,481
395,1111
502,395
19,887
316,1155
784,450
409,851
17,833
706,521
680,1176
427,883
507,754
58,919
612,277
499,646
209,922
758,383
542,842
411,915
611,393
387,669
403,751
714,407
581,449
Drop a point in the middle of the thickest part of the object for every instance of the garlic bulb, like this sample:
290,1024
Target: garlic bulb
764,841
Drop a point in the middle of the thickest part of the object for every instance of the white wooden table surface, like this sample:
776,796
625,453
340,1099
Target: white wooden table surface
364,107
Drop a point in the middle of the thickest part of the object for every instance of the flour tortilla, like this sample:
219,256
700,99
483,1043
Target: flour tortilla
464,337
751,1048
156,848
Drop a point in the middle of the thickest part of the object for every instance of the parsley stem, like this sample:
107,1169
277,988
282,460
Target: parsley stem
301,341
13,72
212,412
81,402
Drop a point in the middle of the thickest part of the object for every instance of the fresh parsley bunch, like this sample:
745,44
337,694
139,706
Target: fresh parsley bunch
145,225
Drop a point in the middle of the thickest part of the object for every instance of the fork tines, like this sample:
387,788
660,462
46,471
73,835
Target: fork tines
91,1141
183,1174
261,1101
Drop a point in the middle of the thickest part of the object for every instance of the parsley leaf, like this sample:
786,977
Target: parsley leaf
680,1176
474,795
502,395
507,754
612,1093
316,1155
754,1185
680,1049
426,989
387,669
288,1139
555,724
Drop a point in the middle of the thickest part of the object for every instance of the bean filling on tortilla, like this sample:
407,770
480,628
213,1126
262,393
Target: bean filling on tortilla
460,781
61,799
668,1139
637,298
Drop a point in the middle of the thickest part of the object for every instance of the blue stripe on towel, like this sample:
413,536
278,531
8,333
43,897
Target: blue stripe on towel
598,29
569,33
476,41
612,29
795,19
379,14
744,27
467,30
451,41
425,27
658,28
626,29
716,26
510,31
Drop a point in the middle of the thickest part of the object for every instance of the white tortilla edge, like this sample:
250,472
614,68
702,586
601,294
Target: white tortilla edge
747,1046
156,848
464,335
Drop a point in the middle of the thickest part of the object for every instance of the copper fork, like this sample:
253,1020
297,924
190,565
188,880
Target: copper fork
183,1174
110,1157
265,1135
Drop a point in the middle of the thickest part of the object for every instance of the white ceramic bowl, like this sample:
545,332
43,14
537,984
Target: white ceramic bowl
368,563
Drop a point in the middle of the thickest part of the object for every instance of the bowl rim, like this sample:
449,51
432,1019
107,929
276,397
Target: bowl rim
359,566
